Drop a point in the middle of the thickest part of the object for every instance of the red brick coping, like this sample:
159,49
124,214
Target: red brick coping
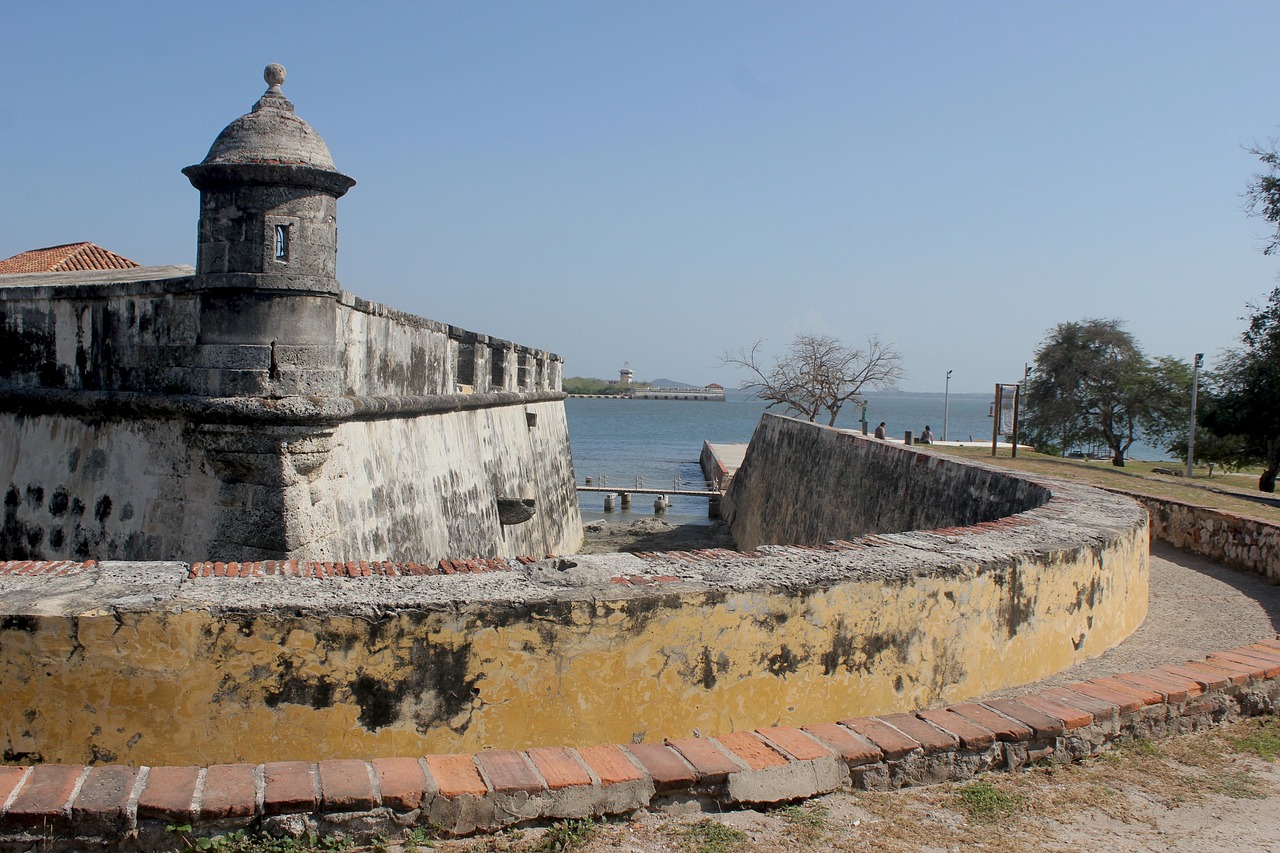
59,568
61,806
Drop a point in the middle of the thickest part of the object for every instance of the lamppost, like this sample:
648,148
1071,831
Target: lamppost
946,401
1191,436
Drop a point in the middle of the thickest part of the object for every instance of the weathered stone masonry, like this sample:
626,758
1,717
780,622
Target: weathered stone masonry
254,410
271,661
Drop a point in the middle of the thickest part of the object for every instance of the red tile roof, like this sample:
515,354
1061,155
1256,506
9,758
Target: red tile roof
72,256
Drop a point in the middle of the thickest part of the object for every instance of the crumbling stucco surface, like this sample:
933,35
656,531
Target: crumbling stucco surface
138,663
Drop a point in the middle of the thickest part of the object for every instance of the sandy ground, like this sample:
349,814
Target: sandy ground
652,534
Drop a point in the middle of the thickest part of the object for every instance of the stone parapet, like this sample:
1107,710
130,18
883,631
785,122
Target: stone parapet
804,483
71,806
163,334
349,658
1233,540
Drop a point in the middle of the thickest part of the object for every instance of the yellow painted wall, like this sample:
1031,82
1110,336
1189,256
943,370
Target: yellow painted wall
194,687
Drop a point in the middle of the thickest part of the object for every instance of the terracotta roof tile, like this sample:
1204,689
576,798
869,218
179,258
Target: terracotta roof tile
66,258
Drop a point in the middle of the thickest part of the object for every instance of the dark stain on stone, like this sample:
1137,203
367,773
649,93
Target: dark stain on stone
707,670
841,651
850,652
1077,643
126,512
73,460
293,689
345,640
101,756
435,677
77,507
1018,607
35,496
95,466
898,684
17,757
19,623
102,509
59,502
1089,595
18,540
783,662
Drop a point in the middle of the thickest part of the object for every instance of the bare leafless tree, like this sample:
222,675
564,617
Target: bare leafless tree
818,374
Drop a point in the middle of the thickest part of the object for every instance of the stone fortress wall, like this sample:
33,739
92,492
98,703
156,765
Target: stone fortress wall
251,409
274,661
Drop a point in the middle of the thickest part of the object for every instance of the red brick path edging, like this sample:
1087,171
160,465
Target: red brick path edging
71,806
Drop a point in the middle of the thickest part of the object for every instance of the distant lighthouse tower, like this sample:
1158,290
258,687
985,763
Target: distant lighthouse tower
626,374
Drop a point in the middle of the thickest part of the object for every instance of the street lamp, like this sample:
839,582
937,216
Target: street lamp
1191,436
946,400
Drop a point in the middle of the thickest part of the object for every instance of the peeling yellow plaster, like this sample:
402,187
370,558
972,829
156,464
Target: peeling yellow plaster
196,687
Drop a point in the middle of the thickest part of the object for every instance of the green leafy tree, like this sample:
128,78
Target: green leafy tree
818,374
1243,409
1093,384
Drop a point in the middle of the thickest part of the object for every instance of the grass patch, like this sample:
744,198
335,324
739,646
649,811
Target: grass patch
565,835
709,836
808,820
1259,736
985,803
245,842
1140,746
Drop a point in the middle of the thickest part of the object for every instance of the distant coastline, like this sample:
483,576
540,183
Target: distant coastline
625,389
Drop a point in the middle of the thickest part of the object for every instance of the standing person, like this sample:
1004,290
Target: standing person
926,437
880,431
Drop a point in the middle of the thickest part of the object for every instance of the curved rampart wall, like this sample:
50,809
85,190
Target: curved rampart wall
805,484
166,663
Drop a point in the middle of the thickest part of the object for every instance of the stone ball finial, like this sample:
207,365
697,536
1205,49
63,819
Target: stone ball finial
274,74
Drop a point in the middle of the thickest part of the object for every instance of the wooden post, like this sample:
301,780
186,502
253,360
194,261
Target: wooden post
1017,394
995,422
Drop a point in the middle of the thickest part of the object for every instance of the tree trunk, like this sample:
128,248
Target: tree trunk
1118,459
1267,482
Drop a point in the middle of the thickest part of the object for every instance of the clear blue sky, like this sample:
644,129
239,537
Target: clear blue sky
657,182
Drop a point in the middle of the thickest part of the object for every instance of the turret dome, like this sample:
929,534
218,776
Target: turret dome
271,134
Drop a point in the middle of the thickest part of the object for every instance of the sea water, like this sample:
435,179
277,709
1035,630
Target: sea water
655,444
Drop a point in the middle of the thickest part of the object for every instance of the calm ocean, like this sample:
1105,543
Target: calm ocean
616,441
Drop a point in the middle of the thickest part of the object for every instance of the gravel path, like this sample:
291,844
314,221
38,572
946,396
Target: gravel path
1196,607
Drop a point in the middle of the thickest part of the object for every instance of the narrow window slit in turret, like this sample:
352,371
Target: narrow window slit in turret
282,243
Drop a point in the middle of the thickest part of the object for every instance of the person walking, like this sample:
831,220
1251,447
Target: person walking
880,431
